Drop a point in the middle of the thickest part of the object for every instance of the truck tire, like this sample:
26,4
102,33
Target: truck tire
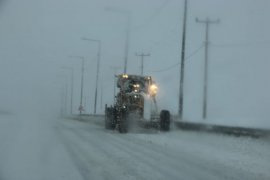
123,123
123,127
109,124
165,120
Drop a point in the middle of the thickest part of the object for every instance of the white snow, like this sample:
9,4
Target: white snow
38,147
31,150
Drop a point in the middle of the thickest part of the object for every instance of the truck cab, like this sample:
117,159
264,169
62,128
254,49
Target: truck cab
135,102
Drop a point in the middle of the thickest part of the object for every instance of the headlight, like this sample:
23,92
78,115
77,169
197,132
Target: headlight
136,85
125,76
153,90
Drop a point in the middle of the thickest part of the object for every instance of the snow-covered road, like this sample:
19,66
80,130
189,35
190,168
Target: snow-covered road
72,149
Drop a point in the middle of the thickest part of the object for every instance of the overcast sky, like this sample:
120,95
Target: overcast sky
37,36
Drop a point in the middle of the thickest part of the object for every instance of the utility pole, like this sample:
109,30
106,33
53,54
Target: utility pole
63,102
66,98
127,14
207,22
98,67
84,104
142,55
127,42
182,68
97,76
71,87
71,93
101,98
82,80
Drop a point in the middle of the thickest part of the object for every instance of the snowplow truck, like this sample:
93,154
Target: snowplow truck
135,105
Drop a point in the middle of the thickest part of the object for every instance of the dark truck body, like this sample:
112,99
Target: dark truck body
135,104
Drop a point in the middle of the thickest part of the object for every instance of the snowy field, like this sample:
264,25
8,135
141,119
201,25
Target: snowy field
41,148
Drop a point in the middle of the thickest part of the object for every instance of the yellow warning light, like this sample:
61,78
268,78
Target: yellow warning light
153,90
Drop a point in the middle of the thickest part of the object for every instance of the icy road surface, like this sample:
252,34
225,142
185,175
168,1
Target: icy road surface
34,149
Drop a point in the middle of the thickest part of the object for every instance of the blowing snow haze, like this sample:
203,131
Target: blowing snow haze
45,45
38,37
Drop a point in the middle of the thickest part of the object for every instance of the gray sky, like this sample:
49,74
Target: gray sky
36,38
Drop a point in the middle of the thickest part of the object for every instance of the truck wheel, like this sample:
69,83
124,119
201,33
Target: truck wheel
109,119
123,127
165,120
123,124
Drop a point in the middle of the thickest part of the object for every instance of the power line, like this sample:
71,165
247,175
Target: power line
142,55
248,44
194,52
176,64
187,59
163,38
153,16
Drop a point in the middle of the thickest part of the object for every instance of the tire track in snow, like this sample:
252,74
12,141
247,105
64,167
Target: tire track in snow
150,160
189,164
112,167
